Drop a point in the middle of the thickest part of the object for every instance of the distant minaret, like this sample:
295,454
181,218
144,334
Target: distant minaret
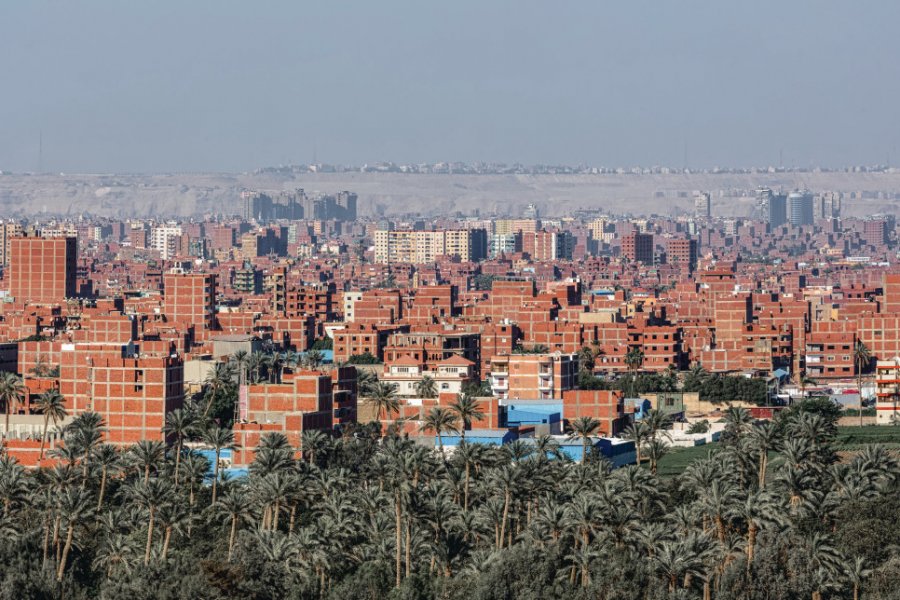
40,165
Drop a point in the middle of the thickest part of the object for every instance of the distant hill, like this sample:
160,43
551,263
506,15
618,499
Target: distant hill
391,194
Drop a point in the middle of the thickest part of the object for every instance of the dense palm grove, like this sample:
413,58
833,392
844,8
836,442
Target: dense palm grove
774,514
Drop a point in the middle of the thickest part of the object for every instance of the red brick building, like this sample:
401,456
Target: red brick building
43,270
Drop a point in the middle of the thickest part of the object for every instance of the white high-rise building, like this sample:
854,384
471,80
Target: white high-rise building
164,239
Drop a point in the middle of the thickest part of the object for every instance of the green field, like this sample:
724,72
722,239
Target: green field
848,438
678,459
852,438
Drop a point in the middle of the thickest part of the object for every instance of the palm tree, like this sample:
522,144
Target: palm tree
467,410
194,468
179,424
13,483
241,359
12,392
763,439
52,405
737,421
173,518
862,356
147,455
83,434
233,508
313,359
586,360
254,364
384,396
220,439
105,456
217,381
365,381
426,387
470,455
656,449
856,573
634,360
74,507
311,441
507,478
290,359
581,559
150,495
657,420
758,510
583,428
638,432
117,551
439,420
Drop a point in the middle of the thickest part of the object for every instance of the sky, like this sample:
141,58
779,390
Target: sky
228,86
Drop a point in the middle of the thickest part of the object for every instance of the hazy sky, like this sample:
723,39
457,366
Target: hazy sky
218,85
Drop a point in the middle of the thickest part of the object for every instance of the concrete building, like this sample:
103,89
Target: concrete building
449,375
800,208
420,247
8,231
682,251
349,300
165,240
638,247
772,207
702,204
887,391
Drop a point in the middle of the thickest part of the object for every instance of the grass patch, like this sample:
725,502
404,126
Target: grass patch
676,461
867,434
851,438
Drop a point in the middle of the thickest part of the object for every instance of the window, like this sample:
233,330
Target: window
445,386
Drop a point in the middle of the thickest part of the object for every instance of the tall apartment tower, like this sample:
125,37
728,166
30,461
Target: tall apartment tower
702,204
828,205
771,206
165,240
8,231
42,270
800,208
190,298
638,247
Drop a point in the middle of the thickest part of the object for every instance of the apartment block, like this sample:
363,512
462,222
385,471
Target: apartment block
533,376
43,270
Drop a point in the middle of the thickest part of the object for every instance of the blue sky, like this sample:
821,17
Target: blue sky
231,86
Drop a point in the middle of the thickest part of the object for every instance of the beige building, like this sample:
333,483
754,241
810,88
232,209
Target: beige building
7,232
513,226
597,227
449,375
349,303
887,397
419,247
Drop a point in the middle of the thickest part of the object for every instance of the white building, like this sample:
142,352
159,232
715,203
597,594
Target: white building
449,375
164,239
